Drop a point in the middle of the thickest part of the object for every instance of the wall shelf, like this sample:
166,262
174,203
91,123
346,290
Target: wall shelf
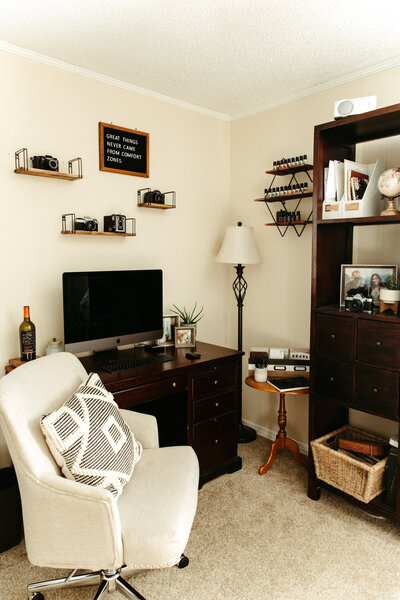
73,231
141,195
290,170
24,169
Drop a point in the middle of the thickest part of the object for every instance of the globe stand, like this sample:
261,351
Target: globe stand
390,210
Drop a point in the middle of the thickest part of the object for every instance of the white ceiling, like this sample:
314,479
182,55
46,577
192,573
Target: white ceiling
231,57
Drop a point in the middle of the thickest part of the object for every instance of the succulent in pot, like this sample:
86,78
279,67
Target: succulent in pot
188,317
390,293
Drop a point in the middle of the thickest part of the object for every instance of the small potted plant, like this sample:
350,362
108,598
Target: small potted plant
188,317
391,292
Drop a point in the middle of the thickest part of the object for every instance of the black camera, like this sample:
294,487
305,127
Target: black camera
86,224
357,301
115,223
47,162
154,197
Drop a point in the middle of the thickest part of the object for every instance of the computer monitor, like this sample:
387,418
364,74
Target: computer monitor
107,309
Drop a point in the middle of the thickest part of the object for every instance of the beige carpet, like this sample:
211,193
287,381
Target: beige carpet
259,538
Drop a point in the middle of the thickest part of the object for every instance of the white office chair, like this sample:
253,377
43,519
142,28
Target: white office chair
76,526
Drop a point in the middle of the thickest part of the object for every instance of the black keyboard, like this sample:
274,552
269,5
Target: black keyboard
112,366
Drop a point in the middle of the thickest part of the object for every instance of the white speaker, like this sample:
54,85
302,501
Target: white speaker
353,106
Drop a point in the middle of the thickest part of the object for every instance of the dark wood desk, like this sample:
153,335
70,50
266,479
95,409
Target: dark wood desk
195,401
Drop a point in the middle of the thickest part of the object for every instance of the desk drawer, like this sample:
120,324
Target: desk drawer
334,336
212,407
150,391
334,379
377,391
215,440
214,380
378,343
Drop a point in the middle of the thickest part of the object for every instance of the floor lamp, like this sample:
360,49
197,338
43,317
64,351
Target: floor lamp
239,249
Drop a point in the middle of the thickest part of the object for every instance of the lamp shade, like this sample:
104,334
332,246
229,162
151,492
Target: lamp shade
239,247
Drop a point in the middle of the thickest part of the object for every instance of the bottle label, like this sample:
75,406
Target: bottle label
28,345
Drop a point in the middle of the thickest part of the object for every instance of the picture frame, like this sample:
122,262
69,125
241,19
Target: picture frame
124,151
185,336
360,276
169,324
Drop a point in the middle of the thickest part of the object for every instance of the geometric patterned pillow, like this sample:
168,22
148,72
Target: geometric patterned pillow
89,439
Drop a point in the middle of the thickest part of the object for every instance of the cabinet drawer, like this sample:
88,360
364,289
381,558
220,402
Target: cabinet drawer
214,380
212,407
150,391
334,336
377,391
378,343
214,441
334,379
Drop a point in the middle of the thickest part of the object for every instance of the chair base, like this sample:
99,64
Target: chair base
109,582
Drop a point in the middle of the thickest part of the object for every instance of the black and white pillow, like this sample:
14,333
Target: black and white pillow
89,439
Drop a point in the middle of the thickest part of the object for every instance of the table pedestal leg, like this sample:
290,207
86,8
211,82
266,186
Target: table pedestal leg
282,441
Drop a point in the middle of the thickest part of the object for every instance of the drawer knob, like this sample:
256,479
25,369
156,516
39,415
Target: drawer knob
174,384
216,381
375,390
215,419
333,336
216,442
217,404
378,343
331,379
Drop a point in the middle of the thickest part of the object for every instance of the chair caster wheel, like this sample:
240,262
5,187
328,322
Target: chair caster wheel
183,562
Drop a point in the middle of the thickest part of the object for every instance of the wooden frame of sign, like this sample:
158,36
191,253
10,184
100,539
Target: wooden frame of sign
123,150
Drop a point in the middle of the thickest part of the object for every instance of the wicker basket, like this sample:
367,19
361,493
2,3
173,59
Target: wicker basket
345,473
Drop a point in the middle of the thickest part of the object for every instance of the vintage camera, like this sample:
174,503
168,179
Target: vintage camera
47,162
357,301
86,224
115,223
154,197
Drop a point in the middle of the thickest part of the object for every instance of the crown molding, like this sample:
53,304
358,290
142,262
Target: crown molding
58,64
389,64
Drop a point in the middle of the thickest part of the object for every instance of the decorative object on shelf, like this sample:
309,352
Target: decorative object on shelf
146,197
169,324
389,186
47,168
353,106
293,191
368,280
185,336
390,295
89,226
239,248
115,223
54,345
123,150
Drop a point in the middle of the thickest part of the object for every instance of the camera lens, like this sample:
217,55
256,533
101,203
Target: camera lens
356,305
90,226
53,164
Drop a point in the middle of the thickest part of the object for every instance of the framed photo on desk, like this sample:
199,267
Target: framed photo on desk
170,322
185,336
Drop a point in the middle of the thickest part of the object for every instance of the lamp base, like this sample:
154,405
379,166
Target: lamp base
246,434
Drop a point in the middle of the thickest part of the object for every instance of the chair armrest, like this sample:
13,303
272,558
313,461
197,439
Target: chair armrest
144,427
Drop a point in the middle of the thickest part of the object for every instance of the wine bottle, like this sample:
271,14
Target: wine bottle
27,337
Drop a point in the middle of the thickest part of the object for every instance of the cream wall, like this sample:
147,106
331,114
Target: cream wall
51,111
277,305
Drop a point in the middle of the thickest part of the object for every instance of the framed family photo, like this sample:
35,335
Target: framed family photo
169,324
185,336
366,279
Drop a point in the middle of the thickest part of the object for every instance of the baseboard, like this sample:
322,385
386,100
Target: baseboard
271,435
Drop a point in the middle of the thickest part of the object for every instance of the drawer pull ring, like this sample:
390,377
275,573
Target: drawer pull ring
174,384
333,336
217,404
379,343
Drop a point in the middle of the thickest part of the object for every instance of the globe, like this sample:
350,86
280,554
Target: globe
389,183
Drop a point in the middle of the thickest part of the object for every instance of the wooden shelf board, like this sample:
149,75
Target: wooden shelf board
153,205
290,170
70,232
45,173
284,198
288,224
377,220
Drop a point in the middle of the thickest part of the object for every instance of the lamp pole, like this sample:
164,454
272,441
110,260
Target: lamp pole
246,434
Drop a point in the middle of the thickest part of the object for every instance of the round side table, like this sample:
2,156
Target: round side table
282,441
